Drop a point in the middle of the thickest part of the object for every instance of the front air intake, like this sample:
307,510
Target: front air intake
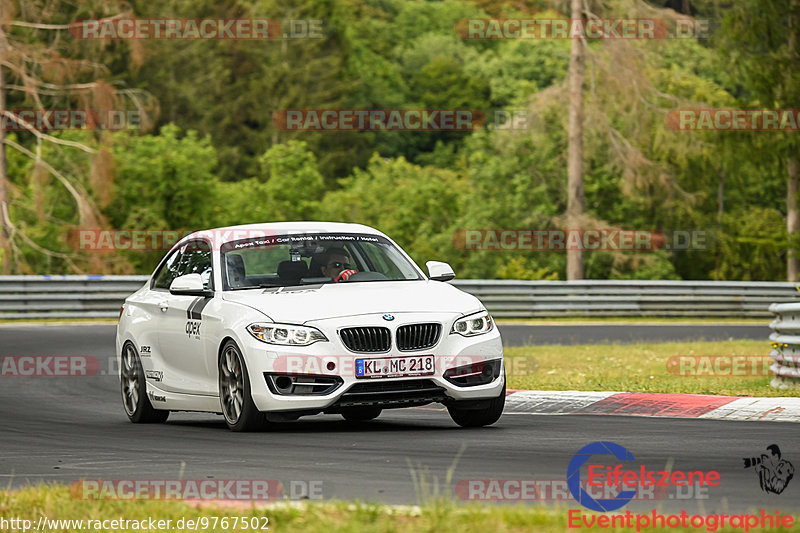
302,385
414,337
366,339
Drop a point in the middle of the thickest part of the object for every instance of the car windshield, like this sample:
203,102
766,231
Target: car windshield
307,259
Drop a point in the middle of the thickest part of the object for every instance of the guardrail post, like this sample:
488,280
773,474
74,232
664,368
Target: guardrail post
785,339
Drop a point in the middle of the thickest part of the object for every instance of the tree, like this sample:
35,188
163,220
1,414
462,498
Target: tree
761,40
417,206
40,70
170,174
230,89
575,158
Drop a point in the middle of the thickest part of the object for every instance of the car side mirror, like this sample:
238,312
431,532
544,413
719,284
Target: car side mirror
439,271
189,285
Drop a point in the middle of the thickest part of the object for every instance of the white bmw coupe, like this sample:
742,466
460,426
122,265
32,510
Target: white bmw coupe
270,322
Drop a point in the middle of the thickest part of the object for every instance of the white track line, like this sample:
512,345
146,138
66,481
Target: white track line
553,402
758,410
780,409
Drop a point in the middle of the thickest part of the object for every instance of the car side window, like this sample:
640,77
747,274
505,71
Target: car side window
169,270
196,259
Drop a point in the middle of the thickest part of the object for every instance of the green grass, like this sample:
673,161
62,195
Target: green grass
444,515
633,368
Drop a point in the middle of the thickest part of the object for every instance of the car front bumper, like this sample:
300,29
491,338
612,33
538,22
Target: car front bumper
333,365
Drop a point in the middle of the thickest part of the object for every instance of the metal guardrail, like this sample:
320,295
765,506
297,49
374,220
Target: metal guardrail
736,299
785,339
101,296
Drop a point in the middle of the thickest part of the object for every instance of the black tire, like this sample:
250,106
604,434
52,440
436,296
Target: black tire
235,398
361,414
473,418
134,390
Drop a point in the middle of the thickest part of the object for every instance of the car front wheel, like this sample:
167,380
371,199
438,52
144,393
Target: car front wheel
134,390
235,398
485,415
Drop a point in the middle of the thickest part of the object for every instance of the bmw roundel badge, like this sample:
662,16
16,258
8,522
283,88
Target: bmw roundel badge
388,317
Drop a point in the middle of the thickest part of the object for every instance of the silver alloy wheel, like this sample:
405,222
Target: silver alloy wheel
232,381
131,386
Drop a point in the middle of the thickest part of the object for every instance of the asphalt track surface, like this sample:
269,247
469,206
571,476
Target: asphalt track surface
65,429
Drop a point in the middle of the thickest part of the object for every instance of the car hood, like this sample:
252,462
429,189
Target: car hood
306,303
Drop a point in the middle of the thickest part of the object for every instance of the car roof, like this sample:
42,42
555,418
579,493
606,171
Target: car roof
232,233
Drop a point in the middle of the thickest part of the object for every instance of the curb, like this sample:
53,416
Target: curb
779,409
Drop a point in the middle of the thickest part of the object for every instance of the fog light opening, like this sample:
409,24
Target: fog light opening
480,373
283,383
302,385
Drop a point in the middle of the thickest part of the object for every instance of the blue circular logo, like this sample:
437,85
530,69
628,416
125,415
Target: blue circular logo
574,476
388,317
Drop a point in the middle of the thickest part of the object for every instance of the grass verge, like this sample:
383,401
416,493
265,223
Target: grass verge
55,503
643,368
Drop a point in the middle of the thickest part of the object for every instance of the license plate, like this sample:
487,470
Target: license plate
393,367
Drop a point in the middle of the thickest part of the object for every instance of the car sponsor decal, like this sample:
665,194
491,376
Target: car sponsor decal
315,238
193,329
299,288
156,398
155,375
195,311
144,351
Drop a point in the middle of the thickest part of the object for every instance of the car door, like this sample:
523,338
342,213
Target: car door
187,338
154,303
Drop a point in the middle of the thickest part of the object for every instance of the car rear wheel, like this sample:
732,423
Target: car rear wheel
483,416
134,390
361,414
235,398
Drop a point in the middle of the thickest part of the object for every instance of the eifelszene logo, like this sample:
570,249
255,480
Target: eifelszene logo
600,475
774,473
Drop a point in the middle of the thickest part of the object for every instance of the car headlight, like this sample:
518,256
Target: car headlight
286,334
477,324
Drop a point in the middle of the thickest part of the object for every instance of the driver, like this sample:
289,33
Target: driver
336,264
